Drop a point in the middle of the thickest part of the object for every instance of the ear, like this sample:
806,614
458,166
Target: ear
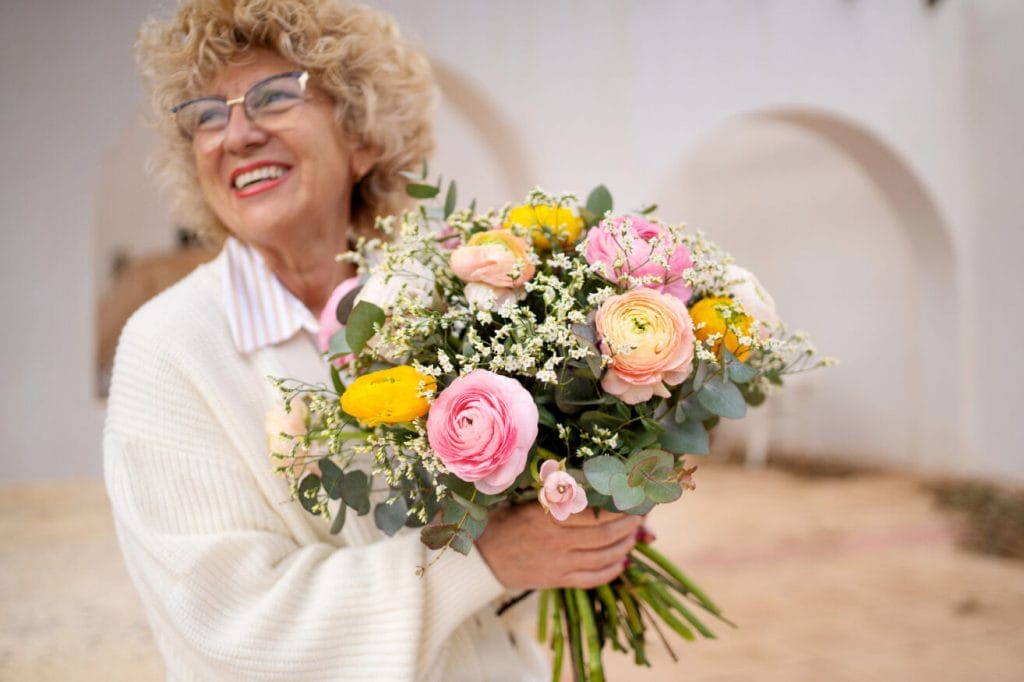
363,159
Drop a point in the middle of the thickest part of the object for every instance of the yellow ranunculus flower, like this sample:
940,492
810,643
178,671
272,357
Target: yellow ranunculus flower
560,221
390,396
738,324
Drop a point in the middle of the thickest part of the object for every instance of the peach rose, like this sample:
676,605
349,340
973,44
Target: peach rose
648,337
493,257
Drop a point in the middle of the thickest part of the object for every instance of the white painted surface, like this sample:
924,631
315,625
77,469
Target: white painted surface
645,98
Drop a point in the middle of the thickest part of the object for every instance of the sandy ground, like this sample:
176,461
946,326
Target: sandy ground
829,579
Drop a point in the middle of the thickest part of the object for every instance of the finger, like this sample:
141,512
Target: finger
594,559
592,517
587,579
596,537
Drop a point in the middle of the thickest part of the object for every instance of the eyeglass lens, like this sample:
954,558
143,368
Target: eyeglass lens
266,98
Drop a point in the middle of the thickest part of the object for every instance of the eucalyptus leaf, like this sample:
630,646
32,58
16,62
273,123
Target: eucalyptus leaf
723,399
361,322
355,490
462,542
330,478
390,517
643,508
339,345
449,199
689,437
739,371
599,201
437,536
585,332
663,491
753,394
640,470
475,510
419,190
700,374
625,495
692,409
339,520
308,487
456,515
599,471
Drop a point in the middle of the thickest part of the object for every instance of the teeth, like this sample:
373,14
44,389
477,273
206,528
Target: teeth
264,173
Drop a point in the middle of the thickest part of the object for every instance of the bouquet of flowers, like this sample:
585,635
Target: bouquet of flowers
551,351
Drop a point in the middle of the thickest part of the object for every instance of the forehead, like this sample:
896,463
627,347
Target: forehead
248,68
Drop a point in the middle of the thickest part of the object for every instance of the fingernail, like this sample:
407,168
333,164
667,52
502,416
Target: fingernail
645,536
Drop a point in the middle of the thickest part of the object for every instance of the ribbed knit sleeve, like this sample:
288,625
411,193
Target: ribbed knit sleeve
231,590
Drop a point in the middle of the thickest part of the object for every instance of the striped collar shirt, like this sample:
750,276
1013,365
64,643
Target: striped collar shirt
261,312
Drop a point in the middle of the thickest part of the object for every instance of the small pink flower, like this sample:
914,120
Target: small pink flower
628,248
329,315
561,494
482,427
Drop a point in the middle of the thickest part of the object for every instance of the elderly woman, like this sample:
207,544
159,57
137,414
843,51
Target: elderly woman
287,123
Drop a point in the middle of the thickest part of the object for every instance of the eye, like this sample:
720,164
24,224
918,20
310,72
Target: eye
211,115
274,99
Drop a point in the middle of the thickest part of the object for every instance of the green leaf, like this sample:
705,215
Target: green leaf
420,191
592,419
339,520
360,325
573,392
642,508
355,490
640,468
648,209
308,487
475,510
700,374
600,201
437,536
739,372
690,437
546,417
330,477
599,471
752,394
449,199
625,495
339,387
390,517
455,514
339,345
691,409
664,491
346,303
722,398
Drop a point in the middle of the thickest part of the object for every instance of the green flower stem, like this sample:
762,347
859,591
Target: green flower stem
586,611
542,616
670,599
673,570
611,611
572,624
635,626
557,638
652,599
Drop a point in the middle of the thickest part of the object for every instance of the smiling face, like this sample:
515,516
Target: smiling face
284,184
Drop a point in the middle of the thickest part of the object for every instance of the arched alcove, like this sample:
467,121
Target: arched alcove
842,231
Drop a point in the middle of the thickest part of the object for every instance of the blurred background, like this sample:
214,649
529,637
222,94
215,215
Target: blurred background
863,157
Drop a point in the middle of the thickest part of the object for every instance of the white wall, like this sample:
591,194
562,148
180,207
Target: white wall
566,94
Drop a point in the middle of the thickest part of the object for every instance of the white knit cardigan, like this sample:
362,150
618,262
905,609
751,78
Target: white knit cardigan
238,581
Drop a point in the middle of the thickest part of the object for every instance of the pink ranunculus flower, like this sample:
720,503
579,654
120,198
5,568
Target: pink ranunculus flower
482,427
561,494
328,316
649,338
628,247
492,257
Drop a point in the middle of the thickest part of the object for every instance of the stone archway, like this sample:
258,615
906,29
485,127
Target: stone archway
791,182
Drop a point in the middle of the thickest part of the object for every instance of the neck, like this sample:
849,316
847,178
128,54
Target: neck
310,272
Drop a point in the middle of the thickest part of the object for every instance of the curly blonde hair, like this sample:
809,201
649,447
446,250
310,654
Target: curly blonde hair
383,87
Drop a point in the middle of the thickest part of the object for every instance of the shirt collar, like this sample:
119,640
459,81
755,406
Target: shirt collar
261,312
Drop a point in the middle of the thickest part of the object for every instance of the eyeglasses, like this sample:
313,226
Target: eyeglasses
207,116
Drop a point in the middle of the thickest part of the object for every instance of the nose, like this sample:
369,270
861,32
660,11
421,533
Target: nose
241,134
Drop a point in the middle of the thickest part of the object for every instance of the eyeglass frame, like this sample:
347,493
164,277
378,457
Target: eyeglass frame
301,76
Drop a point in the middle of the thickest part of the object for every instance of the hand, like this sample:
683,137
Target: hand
527,548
